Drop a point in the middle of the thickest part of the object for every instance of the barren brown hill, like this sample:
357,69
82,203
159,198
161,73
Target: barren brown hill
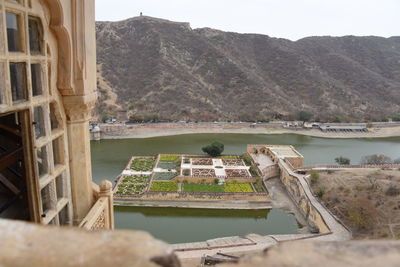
154,66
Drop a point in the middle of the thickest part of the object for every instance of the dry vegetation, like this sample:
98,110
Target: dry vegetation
165,70
367,201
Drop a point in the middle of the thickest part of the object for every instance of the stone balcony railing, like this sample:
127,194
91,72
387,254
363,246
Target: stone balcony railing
101,215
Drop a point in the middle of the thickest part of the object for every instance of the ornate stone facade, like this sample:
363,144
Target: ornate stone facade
48,65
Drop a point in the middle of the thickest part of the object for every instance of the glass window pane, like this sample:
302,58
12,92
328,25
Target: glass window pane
42,163
58,152
39,122
35,35
60,187
36,76
18,81
53,118
64,216
13,32
48,198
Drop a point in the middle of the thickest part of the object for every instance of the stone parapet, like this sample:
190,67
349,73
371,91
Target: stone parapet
26,244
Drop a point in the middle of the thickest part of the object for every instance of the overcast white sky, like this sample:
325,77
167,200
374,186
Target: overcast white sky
292,19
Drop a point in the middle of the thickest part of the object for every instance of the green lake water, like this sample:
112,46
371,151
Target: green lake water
180,225
173,225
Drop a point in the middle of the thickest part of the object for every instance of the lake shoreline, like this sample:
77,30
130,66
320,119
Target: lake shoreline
143,132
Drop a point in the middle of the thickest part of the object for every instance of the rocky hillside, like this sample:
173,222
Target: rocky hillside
153,66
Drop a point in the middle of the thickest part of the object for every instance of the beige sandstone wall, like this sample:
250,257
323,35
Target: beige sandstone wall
297,193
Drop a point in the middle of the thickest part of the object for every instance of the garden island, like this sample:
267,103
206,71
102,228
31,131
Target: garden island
193,178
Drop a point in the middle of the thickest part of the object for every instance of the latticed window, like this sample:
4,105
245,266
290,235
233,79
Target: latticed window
29,93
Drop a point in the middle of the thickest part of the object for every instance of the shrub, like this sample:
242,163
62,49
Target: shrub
320,192
393,190
376,159
253,170
362,213
247,159
396,117
216,181
214,149
186,172
314,177
342,160
304,115
259,186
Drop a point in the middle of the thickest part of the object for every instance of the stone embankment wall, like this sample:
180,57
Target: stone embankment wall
186,197
299,196
295,162
270,172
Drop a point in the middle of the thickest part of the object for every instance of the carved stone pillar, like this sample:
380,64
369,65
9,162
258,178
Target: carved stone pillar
78,110
106,191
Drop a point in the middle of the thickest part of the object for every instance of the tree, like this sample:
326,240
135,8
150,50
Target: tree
362,213
151,117
376,159
105,116
342,160
396,117
214,149
304,115
314,177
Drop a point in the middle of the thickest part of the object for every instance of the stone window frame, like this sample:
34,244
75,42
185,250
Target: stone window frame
50,95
